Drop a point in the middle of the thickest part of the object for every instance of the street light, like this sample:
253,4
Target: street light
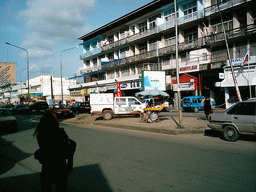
61,70
27,64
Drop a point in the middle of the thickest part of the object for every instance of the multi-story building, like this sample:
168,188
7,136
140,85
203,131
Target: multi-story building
145,40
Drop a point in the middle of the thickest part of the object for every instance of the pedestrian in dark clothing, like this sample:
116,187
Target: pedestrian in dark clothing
53,153
207,105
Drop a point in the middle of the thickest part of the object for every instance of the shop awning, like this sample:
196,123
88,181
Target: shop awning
244,77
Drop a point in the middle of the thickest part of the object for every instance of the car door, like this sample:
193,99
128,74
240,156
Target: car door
244,117
121,105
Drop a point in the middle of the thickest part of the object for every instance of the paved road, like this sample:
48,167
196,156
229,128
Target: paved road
109,159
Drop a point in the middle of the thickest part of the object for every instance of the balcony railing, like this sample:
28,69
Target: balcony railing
195,44
181,20
90,53
90,69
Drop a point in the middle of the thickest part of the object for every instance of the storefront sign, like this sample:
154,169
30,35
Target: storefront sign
184,87
131,85
240,61
189,68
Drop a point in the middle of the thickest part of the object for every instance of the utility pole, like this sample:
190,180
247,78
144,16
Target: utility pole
53,102
229,58
177,66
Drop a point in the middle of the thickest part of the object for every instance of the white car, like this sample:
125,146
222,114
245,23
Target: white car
239,119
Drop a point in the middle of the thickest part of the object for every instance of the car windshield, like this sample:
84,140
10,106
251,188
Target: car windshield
61,107
76,104
4,113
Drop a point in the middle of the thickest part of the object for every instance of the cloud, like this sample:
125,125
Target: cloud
52,22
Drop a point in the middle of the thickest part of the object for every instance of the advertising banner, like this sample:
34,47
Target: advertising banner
153,80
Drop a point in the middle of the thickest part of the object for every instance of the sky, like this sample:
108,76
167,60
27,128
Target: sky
46,28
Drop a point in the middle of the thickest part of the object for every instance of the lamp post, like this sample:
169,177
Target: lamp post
61,70
27,64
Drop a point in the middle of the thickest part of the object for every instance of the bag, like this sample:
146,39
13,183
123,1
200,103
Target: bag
70,148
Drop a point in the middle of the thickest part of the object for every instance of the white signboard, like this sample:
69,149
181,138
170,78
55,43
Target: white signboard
240,61
154,80
184,87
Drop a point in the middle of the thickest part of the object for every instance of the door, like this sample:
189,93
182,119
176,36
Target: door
244,117
134,105
121,105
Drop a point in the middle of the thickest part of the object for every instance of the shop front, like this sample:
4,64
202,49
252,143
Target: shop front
246,81
188,86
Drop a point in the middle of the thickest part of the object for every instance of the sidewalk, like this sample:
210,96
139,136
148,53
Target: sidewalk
167,125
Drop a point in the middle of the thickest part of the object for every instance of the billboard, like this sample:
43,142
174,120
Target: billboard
153,80
7,73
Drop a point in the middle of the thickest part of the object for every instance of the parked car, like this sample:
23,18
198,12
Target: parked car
80,107
8,107
21,109
193,103
39,106
7,121
238,119
61,111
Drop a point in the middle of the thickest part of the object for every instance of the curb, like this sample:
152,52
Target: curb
176,131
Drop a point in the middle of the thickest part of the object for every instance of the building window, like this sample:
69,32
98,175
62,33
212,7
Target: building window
169,39
124,32
143,47
140,68
111,39
111,74
94,44
133,29
133,71
190,8
190,34
94,62
219,1
152,21
110,56
143,26
166,61
87,63
123,52
153,44
125,72
87,47
227,22
170,14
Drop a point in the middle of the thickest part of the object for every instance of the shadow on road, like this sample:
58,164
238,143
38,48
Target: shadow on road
85,178
10,155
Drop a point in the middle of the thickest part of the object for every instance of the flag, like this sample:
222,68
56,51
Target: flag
246,58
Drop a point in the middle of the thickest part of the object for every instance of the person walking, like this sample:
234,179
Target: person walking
207,105
53,154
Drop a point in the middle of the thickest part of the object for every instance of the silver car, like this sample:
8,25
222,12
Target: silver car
238,119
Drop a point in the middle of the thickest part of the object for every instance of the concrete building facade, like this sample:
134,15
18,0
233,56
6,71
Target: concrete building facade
145,40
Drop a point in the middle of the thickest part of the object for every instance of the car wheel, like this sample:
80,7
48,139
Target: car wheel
230,133
196,109
107,115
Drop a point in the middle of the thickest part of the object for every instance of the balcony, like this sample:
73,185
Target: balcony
195,44
168,25
90,53
214,8
90,69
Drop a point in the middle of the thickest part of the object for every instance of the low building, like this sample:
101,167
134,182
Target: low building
42,88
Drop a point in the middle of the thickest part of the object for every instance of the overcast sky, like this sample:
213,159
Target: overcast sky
46,27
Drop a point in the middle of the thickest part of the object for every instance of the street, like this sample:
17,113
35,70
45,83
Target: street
110,159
